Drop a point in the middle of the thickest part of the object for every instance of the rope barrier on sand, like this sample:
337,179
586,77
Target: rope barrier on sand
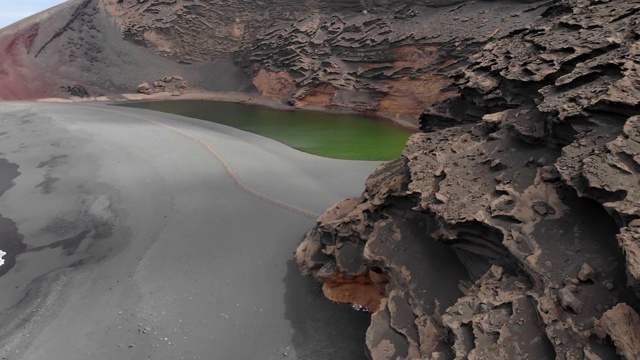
233,175
229,170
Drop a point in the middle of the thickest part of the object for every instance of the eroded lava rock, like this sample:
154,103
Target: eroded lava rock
174,84
509,228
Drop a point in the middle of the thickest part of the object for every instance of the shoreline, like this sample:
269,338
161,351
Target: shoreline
234,97
162,229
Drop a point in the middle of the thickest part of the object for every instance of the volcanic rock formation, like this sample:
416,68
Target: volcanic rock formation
509,228
176,85
531,178
383,57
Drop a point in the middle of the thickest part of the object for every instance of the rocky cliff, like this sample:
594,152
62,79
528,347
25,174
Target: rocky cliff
383,57
377,56
509,228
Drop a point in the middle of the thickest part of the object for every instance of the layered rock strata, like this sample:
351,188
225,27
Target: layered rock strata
382,57
509,227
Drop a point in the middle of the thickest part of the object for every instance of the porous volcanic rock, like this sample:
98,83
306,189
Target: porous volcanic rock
383,57
509,227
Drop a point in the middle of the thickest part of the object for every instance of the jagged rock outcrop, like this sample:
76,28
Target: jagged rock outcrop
76,90
175,84
383,57
387,59
520,198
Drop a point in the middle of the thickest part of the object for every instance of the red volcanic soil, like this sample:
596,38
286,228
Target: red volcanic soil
18,80
77,43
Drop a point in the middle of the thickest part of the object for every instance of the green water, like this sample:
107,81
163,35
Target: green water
336,136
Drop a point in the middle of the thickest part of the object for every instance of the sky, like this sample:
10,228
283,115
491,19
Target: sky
14,10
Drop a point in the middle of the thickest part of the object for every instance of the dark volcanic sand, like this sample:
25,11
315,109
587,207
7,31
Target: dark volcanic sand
139,245
10,240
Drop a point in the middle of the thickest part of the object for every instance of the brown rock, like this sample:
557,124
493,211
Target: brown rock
144,88
622,325
274,84
549,173
568,300
587,273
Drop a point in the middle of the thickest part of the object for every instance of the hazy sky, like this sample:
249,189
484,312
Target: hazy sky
14,10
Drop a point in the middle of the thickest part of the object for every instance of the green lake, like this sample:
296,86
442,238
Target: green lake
336,136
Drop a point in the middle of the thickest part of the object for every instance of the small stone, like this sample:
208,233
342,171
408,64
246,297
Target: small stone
542,208
530,161
609,285
131,345
569,301
495,163
144,88
541,162
587,273
549,174
496,271
502,178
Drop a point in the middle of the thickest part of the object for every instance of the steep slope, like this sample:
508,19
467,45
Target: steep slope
530,178
77,43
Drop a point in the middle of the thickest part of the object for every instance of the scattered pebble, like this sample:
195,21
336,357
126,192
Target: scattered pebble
587,273
609,285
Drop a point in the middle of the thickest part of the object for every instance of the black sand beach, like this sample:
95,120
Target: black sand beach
138,244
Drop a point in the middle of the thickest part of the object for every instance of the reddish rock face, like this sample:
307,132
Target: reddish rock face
278,85
18,79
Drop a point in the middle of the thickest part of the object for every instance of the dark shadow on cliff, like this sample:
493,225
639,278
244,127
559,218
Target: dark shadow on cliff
322,329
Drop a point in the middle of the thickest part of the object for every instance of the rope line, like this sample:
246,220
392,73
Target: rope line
230,171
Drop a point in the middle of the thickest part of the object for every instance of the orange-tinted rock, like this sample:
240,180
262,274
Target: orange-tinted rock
277,85
321,95
354,290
